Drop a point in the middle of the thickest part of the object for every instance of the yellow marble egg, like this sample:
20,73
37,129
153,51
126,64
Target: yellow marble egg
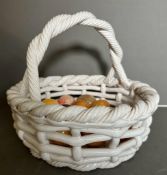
49,101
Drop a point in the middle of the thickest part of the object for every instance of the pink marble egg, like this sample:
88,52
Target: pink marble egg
66,100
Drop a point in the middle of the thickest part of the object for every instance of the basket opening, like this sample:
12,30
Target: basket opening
98,144
59,143
124,140
114,95
55,87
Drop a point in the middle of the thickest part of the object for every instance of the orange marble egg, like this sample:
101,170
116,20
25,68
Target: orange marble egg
100,103
66,100
85,101
55,142
82,103
88,98
49,101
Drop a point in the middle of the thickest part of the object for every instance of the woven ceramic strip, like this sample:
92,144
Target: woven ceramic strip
120,130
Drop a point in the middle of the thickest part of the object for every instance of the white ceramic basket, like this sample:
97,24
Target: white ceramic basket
124,127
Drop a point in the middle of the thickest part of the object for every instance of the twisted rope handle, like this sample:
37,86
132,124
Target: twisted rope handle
54,27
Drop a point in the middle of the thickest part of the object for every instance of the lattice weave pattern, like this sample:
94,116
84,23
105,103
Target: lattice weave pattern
123,128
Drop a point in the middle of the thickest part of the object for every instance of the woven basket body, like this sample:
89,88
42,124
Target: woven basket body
124,127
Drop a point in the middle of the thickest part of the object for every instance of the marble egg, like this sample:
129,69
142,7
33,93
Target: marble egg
66,100
49,101
88,98
100,103
82,103
85,101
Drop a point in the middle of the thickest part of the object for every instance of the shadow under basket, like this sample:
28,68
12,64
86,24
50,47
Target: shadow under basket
98,137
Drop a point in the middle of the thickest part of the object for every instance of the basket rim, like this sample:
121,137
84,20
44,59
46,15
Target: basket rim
143,108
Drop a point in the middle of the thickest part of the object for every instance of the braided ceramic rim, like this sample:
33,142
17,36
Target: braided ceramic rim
142,109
